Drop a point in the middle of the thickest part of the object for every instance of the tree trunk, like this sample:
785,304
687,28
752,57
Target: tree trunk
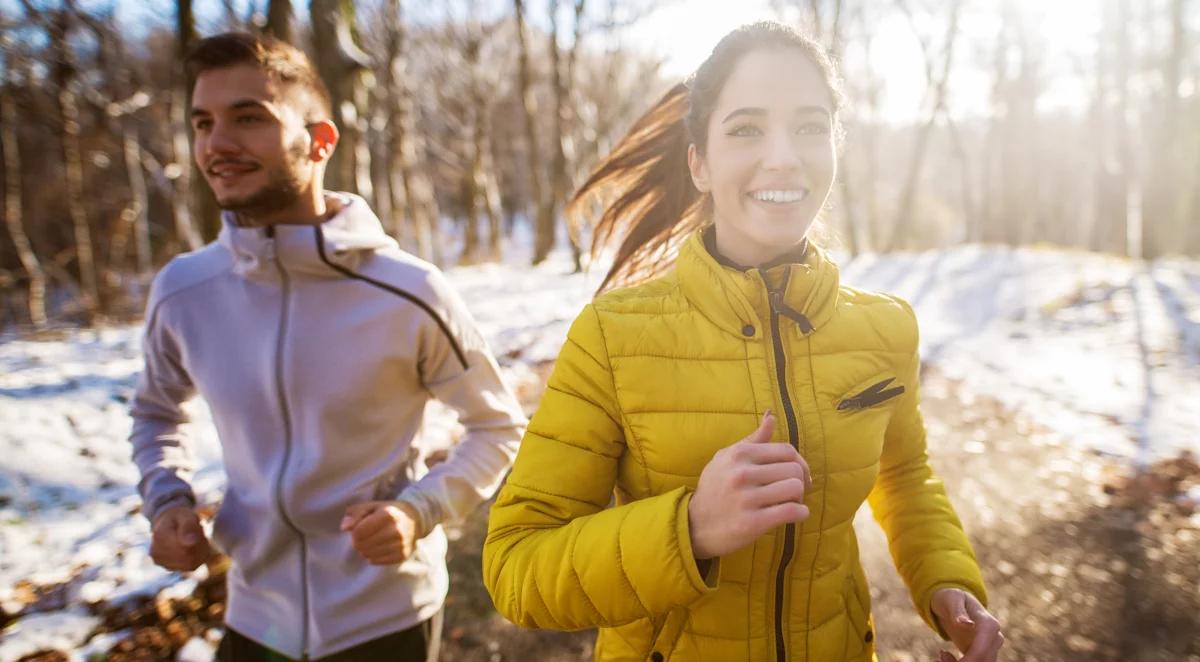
412,191
904,222
1129,172
544,219
1166,198
203,214
344,67
13,203
279,20
59,28
185,227
491,191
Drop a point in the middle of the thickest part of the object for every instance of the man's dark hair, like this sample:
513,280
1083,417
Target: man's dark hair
278,59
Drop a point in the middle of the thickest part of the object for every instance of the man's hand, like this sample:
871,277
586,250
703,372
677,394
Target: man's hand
384,532
177,540
973,630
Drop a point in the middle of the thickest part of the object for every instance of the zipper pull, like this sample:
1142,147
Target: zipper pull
775,297
781,308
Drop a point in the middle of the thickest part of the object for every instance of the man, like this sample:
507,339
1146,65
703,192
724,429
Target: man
316,342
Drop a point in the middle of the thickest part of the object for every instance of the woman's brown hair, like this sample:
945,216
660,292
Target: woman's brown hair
653,201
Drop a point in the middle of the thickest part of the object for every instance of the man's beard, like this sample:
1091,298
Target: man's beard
284,186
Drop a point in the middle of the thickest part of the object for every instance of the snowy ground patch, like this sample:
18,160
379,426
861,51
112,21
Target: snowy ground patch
1104,350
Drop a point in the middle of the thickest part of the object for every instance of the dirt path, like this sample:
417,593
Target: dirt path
1082,563
1074,573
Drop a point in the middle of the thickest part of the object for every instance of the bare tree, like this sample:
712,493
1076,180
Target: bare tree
409,184
544,215
58,25
13,218
185,170
936,102
279,20
563,84
346,70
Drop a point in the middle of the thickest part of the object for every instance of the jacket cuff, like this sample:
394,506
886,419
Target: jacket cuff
711,578
152,509
425,521
927,604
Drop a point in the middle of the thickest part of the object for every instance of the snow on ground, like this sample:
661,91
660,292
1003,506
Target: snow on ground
1104,350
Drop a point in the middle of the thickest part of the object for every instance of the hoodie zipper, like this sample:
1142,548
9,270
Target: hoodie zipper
287,432
789,542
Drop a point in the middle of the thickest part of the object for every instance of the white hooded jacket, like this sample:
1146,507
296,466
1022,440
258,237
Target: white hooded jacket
316,348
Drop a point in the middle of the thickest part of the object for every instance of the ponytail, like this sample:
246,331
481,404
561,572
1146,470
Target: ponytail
656,204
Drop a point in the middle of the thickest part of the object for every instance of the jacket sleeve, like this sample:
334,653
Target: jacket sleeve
925,536
160,434
457,369
556,556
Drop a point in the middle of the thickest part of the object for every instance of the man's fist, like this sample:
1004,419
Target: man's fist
177,540
384,532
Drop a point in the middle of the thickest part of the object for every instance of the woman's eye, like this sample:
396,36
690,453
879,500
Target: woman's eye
812,129
745,130
249,119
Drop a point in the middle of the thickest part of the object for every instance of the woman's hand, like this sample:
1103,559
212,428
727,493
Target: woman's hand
746,490
972,628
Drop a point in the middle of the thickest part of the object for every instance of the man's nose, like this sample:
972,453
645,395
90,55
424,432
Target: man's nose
221,140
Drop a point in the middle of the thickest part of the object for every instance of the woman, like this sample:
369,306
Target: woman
731,534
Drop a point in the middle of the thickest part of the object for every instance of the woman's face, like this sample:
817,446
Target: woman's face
771,158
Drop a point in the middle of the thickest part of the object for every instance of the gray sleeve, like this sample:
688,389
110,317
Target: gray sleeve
486,407
160,436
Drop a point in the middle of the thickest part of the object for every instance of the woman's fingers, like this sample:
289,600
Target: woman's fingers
772,453
782,513
765,474
788,489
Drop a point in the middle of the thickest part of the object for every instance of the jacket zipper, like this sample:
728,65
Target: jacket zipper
287,446
789,543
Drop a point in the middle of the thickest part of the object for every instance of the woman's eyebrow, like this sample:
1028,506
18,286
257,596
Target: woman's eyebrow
759,112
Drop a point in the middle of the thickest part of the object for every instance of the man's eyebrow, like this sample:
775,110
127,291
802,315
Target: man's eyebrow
242,104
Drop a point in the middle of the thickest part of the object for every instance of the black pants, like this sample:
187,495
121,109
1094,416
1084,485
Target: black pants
416,644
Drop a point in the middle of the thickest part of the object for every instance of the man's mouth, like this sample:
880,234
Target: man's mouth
227,171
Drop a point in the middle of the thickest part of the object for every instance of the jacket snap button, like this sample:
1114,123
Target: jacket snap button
870,636
656,657
748,330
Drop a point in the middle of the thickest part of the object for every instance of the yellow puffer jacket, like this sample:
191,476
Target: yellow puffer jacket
651,382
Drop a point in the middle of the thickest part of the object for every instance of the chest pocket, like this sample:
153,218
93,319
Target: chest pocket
872,392
860,417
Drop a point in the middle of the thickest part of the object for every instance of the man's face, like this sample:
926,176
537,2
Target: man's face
251,144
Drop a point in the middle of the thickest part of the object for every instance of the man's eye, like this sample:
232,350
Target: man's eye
249,119
202,125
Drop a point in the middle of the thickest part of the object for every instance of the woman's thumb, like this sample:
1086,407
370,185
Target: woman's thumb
765,430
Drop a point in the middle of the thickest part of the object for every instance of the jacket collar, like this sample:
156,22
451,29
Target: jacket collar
736,298
346,239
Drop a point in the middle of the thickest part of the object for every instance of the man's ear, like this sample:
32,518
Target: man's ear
324,135
699,169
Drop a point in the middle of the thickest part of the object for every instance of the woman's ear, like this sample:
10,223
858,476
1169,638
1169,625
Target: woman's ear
699,169
324,140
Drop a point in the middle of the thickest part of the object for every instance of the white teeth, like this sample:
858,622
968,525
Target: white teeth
781,197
